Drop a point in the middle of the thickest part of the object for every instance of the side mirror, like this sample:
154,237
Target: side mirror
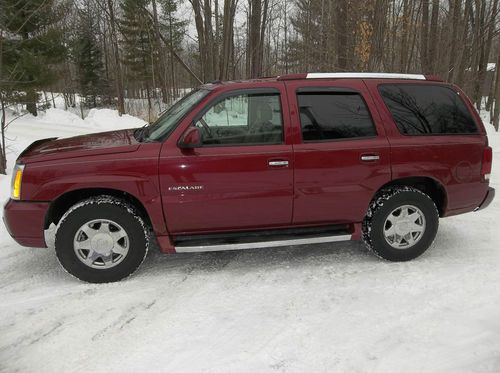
191,138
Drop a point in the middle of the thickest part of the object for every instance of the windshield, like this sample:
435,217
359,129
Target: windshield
165,124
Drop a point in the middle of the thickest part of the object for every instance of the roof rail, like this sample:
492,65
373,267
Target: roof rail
358,76
365,76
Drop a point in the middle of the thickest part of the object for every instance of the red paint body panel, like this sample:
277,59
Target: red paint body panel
133,171
237,185
233,188
452,160
111,142
332,183
240,190
24,222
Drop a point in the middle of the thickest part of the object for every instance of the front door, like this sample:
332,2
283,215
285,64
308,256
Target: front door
241,177
341,154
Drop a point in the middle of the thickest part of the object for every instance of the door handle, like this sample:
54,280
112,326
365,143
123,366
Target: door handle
278,163
370,157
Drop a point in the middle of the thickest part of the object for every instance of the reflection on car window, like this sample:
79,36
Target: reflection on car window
243,119
426,109
331,116
169,120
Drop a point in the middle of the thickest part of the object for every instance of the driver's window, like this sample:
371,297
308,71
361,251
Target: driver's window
244,119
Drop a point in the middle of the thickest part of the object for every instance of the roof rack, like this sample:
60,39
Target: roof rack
358,76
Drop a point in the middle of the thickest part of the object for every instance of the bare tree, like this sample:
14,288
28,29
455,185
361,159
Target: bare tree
256,28
227,37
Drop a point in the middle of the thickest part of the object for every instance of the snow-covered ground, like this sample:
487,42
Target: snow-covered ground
323,308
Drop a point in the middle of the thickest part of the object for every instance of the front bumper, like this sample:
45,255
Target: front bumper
490,195
25,221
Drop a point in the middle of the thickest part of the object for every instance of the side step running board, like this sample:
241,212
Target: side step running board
262,244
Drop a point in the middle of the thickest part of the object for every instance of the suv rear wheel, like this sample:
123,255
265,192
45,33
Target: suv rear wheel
101,239
401,223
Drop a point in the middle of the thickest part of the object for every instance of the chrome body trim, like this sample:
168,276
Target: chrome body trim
278,163
364,76
256,245
370,157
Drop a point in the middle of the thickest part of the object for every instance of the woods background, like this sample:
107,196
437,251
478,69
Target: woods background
141,55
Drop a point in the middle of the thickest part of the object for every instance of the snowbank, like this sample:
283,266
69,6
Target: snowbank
105,119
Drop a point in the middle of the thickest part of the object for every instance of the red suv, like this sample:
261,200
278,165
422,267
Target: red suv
296,159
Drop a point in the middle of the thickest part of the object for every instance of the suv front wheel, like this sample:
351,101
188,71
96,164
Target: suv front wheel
101,239
401,223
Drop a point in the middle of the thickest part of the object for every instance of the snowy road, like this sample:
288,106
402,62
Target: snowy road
323,308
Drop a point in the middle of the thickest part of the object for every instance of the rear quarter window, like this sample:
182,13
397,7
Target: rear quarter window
427,109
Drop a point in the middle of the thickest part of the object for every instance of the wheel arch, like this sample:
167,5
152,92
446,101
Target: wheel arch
62,203
428,185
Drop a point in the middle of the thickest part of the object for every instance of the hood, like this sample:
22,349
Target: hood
121,141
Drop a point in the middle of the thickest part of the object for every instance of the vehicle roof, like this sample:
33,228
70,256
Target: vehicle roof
324,76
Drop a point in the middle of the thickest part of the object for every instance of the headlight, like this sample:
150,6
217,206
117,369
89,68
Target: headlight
17,176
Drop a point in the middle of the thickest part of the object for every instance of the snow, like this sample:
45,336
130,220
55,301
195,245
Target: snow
96,119
490,66
329,307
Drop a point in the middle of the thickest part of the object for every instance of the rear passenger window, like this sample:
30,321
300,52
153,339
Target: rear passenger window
332,116
425,109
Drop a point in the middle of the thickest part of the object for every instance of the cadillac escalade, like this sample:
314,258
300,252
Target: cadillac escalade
296,159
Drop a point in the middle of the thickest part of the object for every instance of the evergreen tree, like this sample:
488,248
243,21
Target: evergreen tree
87,56
139,54
31,45
173,27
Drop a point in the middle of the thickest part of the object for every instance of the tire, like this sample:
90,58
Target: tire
401,224
101,239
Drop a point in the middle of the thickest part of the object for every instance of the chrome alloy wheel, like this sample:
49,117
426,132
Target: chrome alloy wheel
101,244
404,227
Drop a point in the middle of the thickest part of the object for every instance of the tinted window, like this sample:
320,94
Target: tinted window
330,116
243,119
425,109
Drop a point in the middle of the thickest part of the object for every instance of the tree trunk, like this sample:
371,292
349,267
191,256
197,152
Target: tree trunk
379,24
486,49
254,38
433,36
404,36
209,40
262,43
285,42
455,9
3,157
464,47
120,105
172,66
496,113
480,66
227,37
31,100
424,38
161,56
202,39
341,38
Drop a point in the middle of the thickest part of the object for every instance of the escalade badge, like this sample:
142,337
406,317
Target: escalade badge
185,187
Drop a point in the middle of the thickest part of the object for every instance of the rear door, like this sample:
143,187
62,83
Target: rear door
341,153
241,178
434,133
